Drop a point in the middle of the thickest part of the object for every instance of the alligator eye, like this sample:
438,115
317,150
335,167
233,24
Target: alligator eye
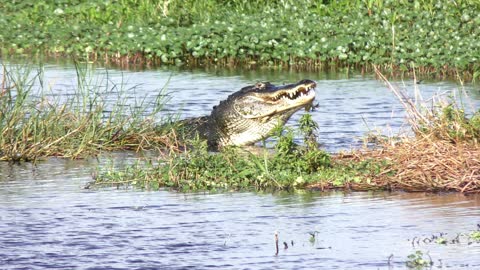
260,85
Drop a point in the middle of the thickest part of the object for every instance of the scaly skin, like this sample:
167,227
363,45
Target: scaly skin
250,115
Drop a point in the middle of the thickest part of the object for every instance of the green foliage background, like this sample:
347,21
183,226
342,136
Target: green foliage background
438,35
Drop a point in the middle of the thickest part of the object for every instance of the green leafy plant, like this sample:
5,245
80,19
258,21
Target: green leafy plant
289,167
417,260
475,236
439,38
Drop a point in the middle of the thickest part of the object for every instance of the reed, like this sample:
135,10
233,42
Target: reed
444,155
34,124
438,118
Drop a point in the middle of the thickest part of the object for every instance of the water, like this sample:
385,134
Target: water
48,220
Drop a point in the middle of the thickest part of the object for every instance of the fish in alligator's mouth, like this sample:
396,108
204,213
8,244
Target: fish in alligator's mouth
250,114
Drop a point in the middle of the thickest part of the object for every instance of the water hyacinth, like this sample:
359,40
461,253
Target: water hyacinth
440,38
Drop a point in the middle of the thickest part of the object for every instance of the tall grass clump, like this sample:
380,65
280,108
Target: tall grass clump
444,155
34,124
440,118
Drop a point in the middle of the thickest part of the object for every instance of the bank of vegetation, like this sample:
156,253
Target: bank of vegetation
444,155
439,38
421,164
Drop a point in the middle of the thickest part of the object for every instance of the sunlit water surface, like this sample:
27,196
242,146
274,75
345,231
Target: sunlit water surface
48,220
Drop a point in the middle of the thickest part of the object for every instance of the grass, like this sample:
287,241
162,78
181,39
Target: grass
413,165
230,169
34,125
442,119
443,156
438,37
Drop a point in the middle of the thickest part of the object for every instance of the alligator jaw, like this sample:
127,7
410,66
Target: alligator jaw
282,99
299,94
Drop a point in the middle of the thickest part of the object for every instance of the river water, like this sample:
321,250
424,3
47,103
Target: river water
48,220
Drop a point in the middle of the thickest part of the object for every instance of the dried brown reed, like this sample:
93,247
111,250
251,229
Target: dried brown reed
438,117
422,165
443,156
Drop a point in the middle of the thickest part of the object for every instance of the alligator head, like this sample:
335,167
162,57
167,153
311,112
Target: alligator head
250,115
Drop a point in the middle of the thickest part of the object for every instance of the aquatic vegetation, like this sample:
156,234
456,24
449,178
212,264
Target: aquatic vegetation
466,238
418,260
475,235
289,166
443,156
421,260
441,119
33,124
427,162
440,38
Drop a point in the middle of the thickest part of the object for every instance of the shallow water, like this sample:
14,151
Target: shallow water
48,220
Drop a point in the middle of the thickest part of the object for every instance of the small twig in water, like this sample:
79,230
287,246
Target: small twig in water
390,259
276,243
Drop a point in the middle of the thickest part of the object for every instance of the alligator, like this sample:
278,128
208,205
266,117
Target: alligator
251,114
